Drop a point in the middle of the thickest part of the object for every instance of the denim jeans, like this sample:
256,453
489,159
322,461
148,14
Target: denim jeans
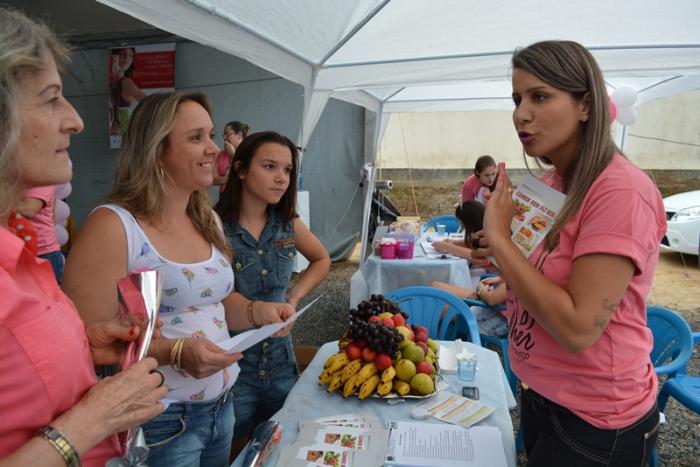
268,372
554,435
57,261
192,434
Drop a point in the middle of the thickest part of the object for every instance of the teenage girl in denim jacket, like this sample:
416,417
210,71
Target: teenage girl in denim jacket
258,211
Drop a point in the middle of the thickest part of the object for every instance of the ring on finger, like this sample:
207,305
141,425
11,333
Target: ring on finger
510,189
162,377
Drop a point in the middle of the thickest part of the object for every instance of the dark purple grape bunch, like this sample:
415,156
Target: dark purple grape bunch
378,337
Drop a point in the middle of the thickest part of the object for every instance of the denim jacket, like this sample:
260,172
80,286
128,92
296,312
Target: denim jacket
262,269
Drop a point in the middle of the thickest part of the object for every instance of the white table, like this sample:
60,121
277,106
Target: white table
307,400
381,276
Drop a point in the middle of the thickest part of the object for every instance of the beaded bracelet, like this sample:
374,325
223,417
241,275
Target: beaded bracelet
61,444
251,318
176,355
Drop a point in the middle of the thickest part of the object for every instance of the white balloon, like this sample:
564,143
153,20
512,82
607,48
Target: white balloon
624,96
63,191
61,234
626,116
62,212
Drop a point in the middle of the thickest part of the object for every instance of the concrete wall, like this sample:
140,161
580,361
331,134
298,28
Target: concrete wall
665,136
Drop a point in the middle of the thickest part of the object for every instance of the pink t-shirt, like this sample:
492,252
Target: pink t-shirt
223,163
611,384
471,188
43,221
45,361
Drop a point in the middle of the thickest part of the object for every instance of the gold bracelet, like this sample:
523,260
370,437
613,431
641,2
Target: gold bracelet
176,355
61,444
251,318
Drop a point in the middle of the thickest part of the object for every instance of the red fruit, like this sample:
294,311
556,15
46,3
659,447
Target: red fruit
424,367
422,329
399,320
361,343
373,318
421,337
388,322
368,355
382,361
423,346
353,351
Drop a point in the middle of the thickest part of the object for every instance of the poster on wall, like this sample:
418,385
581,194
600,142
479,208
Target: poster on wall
135,72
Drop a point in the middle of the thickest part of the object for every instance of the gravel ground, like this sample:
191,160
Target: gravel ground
679,440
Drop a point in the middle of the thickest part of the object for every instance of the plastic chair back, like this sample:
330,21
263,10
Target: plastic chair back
451,223
445,315
673,340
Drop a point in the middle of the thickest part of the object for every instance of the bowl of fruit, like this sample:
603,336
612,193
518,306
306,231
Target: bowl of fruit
382,355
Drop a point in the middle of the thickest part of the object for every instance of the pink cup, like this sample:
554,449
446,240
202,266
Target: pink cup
404,250
388,251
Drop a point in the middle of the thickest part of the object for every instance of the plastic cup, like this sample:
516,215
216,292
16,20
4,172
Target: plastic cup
441,228
466,368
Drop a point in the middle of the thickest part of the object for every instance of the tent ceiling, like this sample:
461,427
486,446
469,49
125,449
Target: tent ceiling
421,55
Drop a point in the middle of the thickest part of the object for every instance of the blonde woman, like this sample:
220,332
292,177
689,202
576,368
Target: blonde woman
54,412
576,307
158,216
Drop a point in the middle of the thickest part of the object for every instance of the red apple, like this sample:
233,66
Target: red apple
424,367
368,355
422,329
374,318
353,351
361,343
388,322
382,361
423,346
421,337
399,320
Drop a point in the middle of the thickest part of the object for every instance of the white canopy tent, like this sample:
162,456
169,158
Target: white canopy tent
427,56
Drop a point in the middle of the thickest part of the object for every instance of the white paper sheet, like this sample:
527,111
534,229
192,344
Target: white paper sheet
247,339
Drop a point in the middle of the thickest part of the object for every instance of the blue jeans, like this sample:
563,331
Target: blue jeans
554,435
57,263
192,434
268,372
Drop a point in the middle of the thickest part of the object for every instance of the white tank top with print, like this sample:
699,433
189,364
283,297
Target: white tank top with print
190,306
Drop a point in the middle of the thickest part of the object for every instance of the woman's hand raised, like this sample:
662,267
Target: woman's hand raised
201,358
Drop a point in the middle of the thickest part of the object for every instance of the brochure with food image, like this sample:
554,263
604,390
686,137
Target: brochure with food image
350,438
312,455
365,421
536,206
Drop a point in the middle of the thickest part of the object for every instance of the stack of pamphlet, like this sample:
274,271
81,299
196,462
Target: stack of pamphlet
348,440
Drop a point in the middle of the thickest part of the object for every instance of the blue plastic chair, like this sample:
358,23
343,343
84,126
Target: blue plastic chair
425,306
673,346
452,224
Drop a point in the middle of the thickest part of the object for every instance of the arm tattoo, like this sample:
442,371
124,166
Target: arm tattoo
600,323
609,308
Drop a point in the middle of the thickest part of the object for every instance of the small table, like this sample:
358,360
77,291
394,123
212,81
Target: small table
307,401
381,276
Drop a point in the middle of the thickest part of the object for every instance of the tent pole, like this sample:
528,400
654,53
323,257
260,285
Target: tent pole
371,174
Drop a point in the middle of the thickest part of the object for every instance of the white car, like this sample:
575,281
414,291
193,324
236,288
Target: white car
683,216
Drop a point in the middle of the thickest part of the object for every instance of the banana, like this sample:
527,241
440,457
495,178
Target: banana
324,378
401,387
350,370
343,343
339,362
388,374
329,360
351,386
334,382
384,388
367,371
368,387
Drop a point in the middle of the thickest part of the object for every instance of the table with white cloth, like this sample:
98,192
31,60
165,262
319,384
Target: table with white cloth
381,276
308,400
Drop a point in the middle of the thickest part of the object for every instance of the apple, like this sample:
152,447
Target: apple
423,346
388,322
399,320
382,361
361,343
368,355
424,367
421,337
422,329
353,351
407,336
385,314
374,318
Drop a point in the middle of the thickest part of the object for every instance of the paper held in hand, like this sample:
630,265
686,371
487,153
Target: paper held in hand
247,339
536,207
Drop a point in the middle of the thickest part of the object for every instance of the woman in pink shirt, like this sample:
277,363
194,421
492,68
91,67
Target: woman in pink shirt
54,412
234,133
576,307
475,186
